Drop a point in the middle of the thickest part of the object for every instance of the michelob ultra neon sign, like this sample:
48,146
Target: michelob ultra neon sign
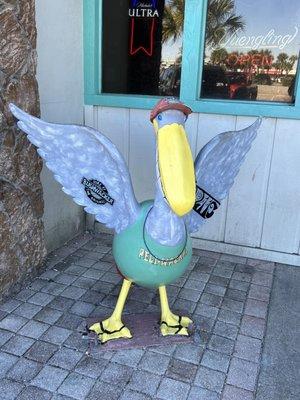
139,12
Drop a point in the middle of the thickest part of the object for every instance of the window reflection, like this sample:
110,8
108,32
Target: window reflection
251,50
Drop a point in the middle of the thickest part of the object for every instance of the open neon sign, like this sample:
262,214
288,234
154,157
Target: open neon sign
141,11
235,60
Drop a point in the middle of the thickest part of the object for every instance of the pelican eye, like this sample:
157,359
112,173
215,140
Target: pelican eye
159,117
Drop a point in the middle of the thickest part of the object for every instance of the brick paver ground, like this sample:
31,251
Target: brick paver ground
43,354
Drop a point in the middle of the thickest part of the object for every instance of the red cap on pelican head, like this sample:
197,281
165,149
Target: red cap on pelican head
169,104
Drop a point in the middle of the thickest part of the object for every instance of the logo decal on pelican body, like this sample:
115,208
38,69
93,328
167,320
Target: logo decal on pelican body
146,256
205,204
96,191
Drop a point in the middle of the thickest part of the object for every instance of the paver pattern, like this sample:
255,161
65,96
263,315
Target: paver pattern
43,354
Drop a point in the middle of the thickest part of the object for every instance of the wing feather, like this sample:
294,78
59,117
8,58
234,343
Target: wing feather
217,165
74,152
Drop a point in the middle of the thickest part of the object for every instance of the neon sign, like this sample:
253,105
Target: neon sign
139,13
252,60
135,3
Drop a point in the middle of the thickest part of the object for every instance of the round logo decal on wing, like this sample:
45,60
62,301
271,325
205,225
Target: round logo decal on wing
96,191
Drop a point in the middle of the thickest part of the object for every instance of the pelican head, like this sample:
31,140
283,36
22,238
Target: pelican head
174,156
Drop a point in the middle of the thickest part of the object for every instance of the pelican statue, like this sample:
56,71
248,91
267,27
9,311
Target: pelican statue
151,245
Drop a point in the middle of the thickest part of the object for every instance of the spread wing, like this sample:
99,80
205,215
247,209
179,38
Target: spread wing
87,165
216,167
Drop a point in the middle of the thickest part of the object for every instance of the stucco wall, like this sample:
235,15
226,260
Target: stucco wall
22,247
60,79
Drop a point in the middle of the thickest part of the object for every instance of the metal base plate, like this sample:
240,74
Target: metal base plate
145,331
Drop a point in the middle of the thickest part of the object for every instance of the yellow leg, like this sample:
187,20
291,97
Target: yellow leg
171,324
112,327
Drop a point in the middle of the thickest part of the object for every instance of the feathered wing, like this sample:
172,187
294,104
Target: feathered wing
87,165
216,167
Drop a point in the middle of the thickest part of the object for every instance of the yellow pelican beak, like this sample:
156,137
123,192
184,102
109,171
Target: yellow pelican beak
176,167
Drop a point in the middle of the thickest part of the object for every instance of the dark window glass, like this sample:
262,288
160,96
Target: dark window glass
251,50
141,47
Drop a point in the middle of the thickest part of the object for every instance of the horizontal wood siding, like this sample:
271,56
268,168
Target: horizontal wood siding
262,210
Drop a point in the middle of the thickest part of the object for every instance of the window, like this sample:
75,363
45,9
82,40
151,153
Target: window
219,56
138,55
251,55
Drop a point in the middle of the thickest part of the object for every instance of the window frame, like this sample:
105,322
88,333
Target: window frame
191,73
